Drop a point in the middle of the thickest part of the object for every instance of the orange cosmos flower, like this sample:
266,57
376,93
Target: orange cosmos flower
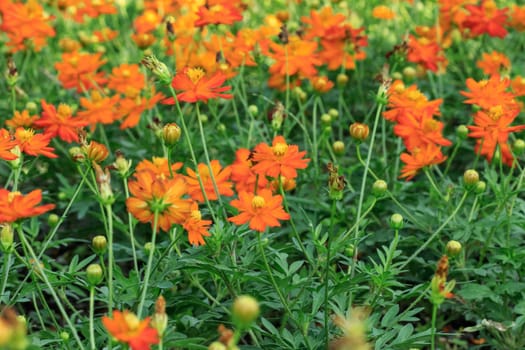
321,23
26,25
79,70
60,122
147,22
518,86
34,144
196,227
153,194
6,145
492,129
517,18
493,63
430,154
159,167
486,18
125,76
15,206
321,84
243,175
260,211
488,93
22,119
132,107
94,9
383,12
127,328
99,109
105,35
426,53
419,130
279,159
196,86
218,12
220,175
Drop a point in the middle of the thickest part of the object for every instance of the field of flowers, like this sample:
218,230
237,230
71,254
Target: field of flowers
274,174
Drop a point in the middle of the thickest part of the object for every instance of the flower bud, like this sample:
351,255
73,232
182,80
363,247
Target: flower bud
122,164
94,274
338,147
64,336
396,221
379,188
31,107
453,248
76,154
159,320
253,110
148,247
359,132
95,152
104,185
99,244
53,219
470,178
336,183
216,345
480,187
518,147
245,310
6,238
349,251
11,74
334,113
203,118
326,118
342,79
462,132
158,68
171,134
409,73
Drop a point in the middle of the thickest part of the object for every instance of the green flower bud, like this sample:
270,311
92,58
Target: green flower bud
396,221
334,113
379,188
518,147
470,178
171,134
480,187
99,244
158,68
6,238
253,110
338,147
94,274
326,118
53,219
462,132
453,248
245,310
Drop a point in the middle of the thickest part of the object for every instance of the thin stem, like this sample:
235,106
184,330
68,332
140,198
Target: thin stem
131,231
327,272
150,262
43,275
438,231
433,183
433,329
91,317
18,170
111,259
5,272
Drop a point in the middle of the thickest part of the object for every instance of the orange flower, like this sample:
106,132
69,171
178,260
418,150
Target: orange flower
419,130
164,196
243,175
218,12
486,18
196,86
6,145
426,53
322,23
94,9
260,211
132,107
196,227
60,122
518,86
493,63
105,35
321,84
147,22
279,159
220,175
34,144
383,12
125,76
99,109
492,129
517,18
26,25
488,93
127,328
419,158
21,119
15,206
159,167
79,70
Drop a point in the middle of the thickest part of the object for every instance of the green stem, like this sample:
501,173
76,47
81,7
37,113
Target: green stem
433,329
43,275
454,152
18,172
148,266
327,272
111,259
433,183
91,317
132,231
438,231
5,272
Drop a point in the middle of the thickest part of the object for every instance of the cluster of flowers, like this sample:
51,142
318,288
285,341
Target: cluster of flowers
422,135
460,19
497,109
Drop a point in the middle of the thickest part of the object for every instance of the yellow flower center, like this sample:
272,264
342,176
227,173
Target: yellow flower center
280,149
495,112
196,214
195,74
414,95
131,92
25,135
95,96
11,196
132,321
490,8
258,202
126,73
150,16
64,111
216,9
430,125
483,83
399,88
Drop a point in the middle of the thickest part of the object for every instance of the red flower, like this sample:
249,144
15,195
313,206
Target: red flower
486,18
15,205
218,12
260,211
196,86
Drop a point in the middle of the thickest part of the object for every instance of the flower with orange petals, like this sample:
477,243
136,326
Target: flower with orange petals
243,175
133,105
127,328
486,18
196,86
125,76
221,176
60,122
488,93
196,227
159,167
383,12
98,109
6,145
322,84
517,18
147,22
15,206
426,53
428,155
26,25
518,86
94,9
279,159
493,63
260,210
22,119
34,144
218,12
419,130
152,195
79,70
